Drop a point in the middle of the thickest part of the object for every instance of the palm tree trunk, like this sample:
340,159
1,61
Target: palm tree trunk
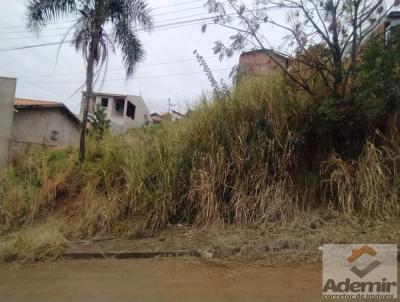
88,97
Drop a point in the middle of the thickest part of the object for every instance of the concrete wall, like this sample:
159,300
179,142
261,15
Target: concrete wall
7,97
37,127
142,114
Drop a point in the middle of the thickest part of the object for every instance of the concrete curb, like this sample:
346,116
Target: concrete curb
126,255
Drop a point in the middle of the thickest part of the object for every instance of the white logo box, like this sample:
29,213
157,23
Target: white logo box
359,271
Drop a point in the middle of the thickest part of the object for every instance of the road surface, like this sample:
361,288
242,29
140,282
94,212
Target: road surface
157,280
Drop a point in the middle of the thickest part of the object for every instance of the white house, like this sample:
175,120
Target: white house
392,22
124,111
173,115
176,116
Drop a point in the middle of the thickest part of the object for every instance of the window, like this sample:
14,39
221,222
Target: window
130,112
104,102
119,107
54,135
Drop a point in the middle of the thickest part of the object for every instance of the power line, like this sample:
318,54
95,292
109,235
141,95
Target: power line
73,20
184,17
166,13
176,4
179,11
115,69
30,37
34,46
159,27
136,78
49,24
29,31
67,28
68,41
139,30
165,20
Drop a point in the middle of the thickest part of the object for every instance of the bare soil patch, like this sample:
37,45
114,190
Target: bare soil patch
292,246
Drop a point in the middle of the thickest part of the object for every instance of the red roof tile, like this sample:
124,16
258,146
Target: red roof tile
27,102
20,104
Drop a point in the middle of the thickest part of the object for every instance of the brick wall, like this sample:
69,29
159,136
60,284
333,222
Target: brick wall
259,62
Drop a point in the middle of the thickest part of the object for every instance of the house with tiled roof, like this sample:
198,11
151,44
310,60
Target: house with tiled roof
173,115
24,104
27,124
37,123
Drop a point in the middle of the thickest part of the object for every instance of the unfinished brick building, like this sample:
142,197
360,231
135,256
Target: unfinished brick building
260,62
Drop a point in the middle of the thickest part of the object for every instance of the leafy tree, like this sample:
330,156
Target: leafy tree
99,122
348,124
339,26
379,72
100,26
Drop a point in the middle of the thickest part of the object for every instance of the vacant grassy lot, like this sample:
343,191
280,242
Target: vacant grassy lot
262,157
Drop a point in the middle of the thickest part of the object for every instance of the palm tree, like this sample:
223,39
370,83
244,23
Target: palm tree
100,26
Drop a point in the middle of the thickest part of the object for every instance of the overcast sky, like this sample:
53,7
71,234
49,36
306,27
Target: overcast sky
158,78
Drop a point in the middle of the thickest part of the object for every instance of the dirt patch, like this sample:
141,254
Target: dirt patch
158,280
294,245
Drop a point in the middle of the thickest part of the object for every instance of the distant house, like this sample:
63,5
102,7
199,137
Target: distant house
37,123
124,111
158,118
392,24
260,62
175,115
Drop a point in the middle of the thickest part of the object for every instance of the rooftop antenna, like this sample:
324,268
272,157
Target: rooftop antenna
170,106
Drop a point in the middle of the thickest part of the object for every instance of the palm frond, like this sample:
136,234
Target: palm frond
62,43
135,12
131,48
41,12
104,74
81,37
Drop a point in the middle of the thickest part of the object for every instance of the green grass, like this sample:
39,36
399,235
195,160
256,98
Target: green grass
40,242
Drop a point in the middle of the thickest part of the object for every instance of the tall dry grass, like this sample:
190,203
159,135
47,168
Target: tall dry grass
366,188
40,242
244,160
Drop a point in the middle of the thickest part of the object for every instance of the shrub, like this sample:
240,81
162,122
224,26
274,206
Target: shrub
41,242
